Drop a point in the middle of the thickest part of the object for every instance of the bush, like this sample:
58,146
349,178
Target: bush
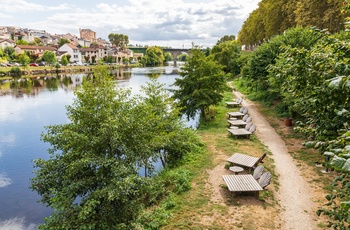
178,180
15,71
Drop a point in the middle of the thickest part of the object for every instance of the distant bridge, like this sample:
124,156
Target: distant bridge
174,51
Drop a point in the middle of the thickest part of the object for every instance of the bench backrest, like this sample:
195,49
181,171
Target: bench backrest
247,126
252,129
265,179
249,119
245,111
245,117
258,171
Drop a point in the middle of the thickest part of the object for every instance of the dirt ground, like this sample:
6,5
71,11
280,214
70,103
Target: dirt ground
296,190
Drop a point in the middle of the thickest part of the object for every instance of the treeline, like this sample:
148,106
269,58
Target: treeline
273,17
304,74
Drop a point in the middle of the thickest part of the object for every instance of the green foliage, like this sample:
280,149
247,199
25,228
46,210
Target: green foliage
313,84
21,42
91,179
63,41
64,60
227,53
256,70
119,40
226,38
24,59
15,71
156,218
202,84
338,205
9,53
154,56
178,180
49,57
109,59
273,17
168,56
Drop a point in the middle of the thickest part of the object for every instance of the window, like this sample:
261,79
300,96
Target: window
75,56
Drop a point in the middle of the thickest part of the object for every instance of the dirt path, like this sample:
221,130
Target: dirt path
294,193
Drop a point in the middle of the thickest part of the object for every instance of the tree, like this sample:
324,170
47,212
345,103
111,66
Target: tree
168,137
21,42
168,56
87,58
119,40
154,56
64,60
63,41
49,57
202,84
93,59
227,53
24,59
226,38
10,53
38,42
68,57
91,179
34,57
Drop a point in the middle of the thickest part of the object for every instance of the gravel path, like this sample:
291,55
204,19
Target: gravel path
294,191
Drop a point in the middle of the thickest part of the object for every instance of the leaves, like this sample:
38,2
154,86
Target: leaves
202,84
91,179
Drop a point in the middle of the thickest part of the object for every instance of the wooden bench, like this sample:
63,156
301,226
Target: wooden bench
244,160
242,183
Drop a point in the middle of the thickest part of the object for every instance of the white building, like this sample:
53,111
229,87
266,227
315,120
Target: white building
73,51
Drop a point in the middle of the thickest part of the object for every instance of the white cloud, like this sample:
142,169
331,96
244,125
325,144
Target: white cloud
144,21
4,181
16,224
16,6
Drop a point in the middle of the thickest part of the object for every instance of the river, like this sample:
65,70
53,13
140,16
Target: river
26,107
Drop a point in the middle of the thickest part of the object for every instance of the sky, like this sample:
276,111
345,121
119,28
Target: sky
172,23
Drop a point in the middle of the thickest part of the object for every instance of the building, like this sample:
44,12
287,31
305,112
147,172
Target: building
88,34
33,49
94,53
73,51
6,43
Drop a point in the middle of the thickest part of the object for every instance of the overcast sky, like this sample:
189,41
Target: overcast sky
175,23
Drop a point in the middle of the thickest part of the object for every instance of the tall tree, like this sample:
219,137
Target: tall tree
63,41
202,84
119,40
91,179
49,57
154,56
64,60
226,38
227,53
24,59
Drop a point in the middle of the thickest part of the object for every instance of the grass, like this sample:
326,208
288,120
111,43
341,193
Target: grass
196,204
193,205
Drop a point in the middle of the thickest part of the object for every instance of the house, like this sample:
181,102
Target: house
6,43
121,54
39,50
24,35
94,53
73,51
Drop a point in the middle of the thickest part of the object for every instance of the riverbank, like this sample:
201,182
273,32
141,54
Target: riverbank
289,202
42,70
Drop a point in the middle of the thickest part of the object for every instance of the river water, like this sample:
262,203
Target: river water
25,108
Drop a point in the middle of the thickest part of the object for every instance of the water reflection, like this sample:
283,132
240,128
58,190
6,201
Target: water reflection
4,181
29,104
33,85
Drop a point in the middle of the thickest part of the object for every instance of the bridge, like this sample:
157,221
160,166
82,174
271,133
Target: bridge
174,51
